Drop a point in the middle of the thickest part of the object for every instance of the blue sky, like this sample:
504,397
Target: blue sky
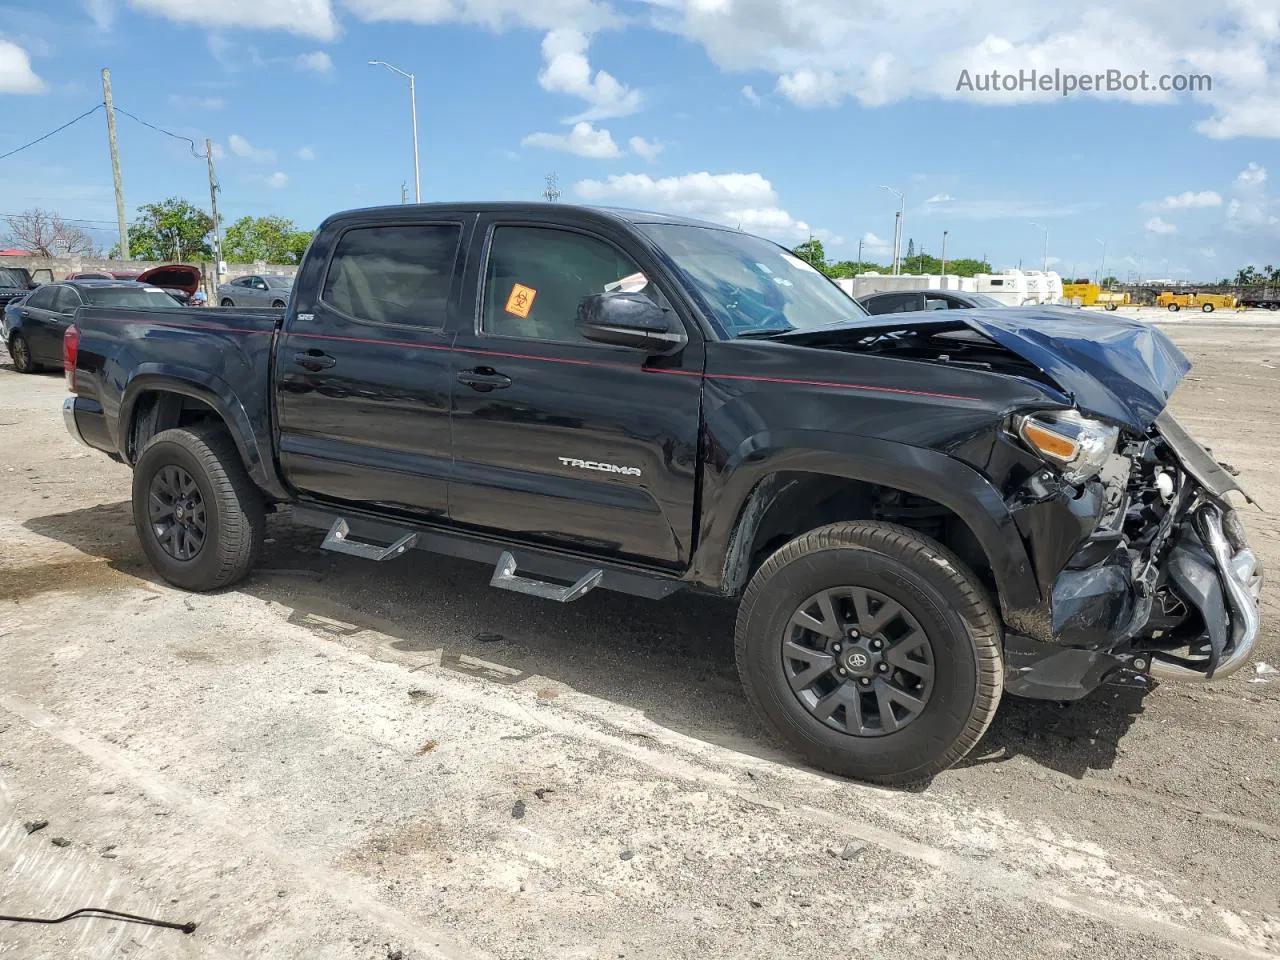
783,117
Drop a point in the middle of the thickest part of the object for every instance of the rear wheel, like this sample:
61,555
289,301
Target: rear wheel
1207,308
1173,308
1111,306
226,302
199,517
1273,306
20,352
277,304
872,651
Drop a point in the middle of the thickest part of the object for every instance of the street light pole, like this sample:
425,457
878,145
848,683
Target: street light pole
944,257
1046,244
897,228
1102,266
413,110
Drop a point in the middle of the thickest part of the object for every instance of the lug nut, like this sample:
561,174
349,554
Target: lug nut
865,681
882,667
853,634
877,644
843,671
835,647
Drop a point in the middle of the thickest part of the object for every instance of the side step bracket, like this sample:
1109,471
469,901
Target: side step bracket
338,539
504,577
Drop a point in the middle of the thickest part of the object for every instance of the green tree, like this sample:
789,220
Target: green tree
911,250
967,267
271,239
812,252
1110,281
851,268
171,230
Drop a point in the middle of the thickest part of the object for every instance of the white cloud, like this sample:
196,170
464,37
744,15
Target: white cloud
871,242
278,180
309,18
1188,200
1251,116
16,75
943,205
649,149
243,148
744,200
585,15
184,102
1160,225
749,94
1252,176
305,153
808,88
567,70
583,139
1208,253
317,61
939,198
101,12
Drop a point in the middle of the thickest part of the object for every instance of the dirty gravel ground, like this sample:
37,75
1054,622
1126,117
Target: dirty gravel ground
328,761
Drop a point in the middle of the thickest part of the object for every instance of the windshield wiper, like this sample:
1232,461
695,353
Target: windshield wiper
762,334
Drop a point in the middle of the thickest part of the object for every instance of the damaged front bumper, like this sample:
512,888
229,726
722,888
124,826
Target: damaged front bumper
1158,577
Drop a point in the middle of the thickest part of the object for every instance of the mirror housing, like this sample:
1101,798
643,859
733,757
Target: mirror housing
630,320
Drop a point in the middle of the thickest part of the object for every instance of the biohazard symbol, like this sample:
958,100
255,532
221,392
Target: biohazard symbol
521,300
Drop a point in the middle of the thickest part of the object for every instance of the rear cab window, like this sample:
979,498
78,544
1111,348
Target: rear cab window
399,274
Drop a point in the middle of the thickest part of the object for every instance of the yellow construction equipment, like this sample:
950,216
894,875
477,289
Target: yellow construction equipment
1208,302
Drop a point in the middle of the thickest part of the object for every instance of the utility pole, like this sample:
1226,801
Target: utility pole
944,254
1102,265
115,163
213,206
404,192
897,228
413,113
860,251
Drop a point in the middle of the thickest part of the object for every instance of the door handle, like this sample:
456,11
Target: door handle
314,360
484,379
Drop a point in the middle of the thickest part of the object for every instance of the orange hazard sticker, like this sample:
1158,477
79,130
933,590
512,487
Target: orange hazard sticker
521,300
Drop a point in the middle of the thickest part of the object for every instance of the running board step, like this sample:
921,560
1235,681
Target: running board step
504,577
338,539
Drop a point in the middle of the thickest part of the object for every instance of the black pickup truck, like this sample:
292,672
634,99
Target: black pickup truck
917,513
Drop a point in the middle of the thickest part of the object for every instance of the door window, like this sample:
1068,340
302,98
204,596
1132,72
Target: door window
42,299
394,274
537,276
66,301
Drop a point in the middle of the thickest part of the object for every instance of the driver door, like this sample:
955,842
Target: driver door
557,439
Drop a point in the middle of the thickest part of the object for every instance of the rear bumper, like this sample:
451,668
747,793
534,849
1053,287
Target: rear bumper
69,418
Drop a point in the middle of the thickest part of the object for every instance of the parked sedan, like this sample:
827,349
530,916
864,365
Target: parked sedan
910,301
256,290
32,328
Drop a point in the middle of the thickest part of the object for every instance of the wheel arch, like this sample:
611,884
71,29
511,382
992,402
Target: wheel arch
787,493
153,401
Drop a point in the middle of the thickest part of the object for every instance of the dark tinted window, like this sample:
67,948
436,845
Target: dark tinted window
398,274
139,296
42,298
10,279
66,300
537,277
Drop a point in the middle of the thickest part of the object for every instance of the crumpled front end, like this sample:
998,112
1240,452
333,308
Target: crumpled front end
1145,569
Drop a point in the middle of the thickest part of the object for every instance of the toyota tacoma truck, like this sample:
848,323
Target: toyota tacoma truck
916,514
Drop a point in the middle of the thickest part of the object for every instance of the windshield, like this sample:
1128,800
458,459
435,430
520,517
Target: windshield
753,286
128,297
982,300
10,279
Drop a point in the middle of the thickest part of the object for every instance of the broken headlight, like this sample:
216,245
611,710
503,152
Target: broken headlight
1077,445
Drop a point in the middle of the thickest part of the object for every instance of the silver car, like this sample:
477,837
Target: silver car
256,290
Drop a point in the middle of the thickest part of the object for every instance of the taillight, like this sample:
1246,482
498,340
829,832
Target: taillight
70,351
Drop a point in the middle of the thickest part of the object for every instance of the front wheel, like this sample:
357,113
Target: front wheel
1111,307
1207,308
20,352
1173,308
277,304
226,302
872,651
199,517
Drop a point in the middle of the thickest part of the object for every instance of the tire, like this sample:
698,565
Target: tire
20,354
1173,308
931,586
277,304
229,504
226,302
1273,306
1207,308
1111,307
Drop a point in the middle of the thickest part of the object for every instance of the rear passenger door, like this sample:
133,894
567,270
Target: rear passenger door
363,369
40,323
579,444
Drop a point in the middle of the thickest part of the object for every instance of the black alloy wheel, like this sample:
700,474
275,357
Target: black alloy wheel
858,661
20,353
177,513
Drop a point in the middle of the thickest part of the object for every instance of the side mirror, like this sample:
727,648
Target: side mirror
630,320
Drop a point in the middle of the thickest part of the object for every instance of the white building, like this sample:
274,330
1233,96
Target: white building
1015,288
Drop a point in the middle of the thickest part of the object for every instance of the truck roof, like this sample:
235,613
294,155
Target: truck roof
517,208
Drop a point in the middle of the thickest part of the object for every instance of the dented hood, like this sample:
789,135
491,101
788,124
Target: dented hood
1121,370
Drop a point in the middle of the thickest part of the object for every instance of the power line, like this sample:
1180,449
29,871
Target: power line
191,143
6,216
95,109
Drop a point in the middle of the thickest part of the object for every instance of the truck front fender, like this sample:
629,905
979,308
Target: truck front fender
253,440
737,495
